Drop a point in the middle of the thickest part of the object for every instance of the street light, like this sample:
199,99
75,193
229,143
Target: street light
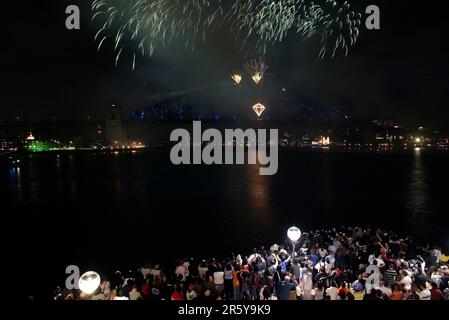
294,234
89,282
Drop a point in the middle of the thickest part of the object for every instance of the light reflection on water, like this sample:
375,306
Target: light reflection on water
72,178
117,179
15,180
145,190
419,197
259,191
59,177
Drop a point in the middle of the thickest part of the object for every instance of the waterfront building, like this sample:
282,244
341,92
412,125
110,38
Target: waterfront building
114,131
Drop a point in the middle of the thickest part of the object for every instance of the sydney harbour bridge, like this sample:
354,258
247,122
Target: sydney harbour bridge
228,102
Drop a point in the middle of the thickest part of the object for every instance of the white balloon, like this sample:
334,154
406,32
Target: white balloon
294,233
89,282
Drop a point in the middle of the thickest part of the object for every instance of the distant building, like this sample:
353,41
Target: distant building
30,137
114,131
326,141
6,145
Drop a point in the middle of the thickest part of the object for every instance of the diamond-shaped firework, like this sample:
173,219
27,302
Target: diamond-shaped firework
259,109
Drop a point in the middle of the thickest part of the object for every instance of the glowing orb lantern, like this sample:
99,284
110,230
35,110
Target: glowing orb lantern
294,233
89,282
259,109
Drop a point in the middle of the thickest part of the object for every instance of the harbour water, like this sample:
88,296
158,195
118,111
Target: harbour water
105,211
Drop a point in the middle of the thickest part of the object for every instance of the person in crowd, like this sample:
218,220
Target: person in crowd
191,293
285,287
357,291
145,270
390,275
306,284
406,280
228,279
446,294
121,295
435,293
134,294
177,294
319,292
218,278
181,270
202,269
155,271
98,295
397,293
424,292
332,291
236,282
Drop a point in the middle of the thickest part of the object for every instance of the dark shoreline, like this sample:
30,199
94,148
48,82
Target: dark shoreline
283,148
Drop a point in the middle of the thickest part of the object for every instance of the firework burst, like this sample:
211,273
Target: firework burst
237,78
339,28
256,69
143,26
152,24
267,22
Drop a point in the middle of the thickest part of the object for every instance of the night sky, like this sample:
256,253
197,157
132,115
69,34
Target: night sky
399,72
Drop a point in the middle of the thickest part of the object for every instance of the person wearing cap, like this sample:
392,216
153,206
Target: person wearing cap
357,291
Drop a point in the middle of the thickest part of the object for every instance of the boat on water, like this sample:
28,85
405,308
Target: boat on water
9,160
